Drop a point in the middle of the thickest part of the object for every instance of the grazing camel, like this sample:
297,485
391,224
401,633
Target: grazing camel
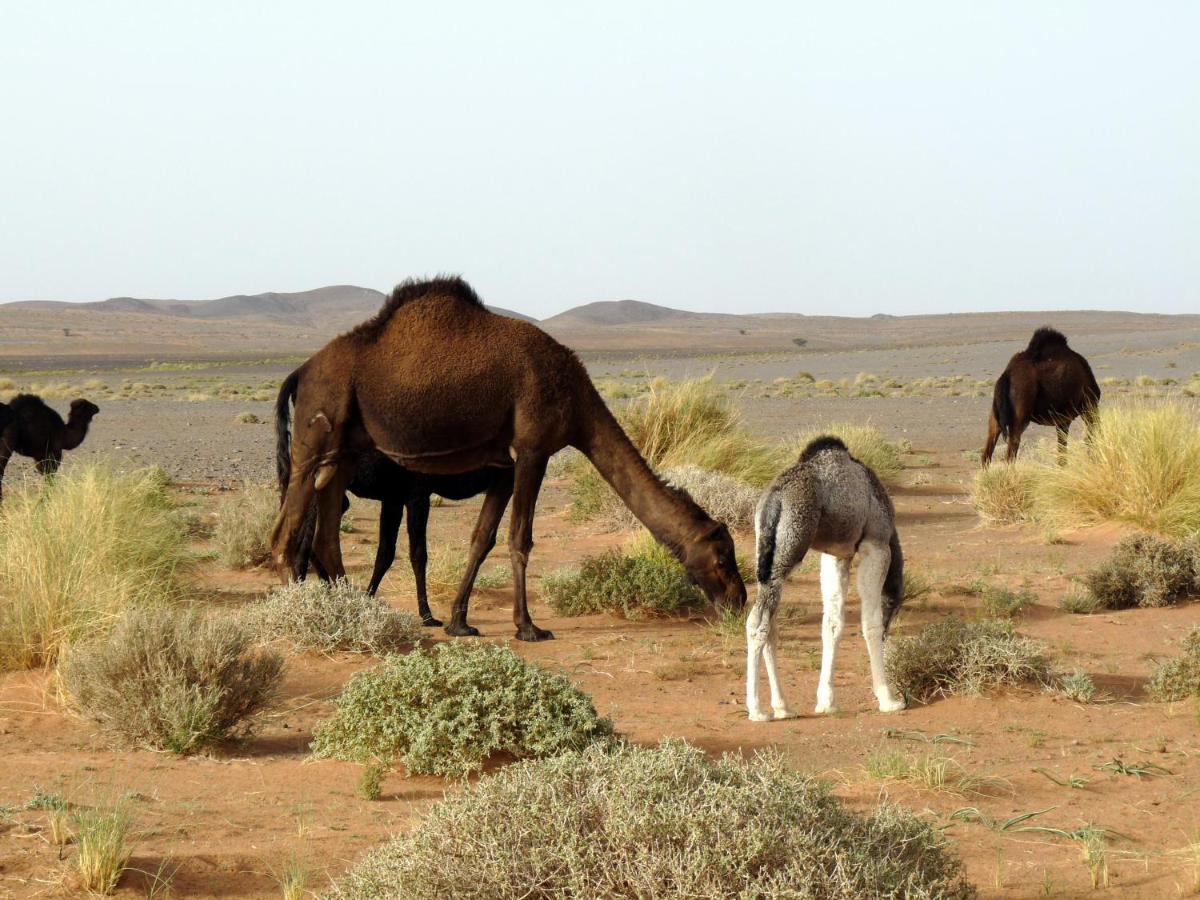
37,431
442,386
378,478
830,502
1047,383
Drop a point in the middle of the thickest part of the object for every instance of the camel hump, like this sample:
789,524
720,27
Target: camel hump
451,288
1044,340
821,444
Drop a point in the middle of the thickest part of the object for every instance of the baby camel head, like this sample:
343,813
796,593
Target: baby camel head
712,565
83,410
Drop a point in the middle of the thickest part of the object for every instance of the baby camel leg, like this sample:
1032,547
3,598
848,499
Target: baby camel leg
835,578
872,570
762,640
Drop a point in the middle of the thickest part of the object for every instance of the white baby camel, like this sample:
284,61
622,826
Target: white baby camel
831,502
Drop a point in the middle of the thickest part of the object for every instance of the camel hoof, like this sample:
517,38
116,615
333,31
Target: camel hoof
533,633
757,715
891,706
824,709
462,630
784,713
431,622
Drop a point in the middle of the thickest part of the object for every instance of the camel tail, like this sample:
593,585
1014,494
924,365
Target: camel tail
1002,406
283,439
893,583
766,521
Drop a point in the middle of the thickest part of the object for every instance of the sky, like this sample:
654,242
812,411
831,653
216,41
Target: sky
814,157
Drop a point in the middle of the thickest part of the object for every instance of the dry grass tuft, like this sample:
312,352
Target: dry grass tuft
172,680
102,837
331,616
76,552
658,823
1005,492
244,524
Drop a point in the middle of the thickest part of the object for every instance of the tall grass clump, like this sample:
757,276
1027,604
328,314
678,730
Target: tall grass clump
77,551
695,423
1006,492
243,530
102,837
658,823
1179,678
448,710
1141,466
957,657
1144,570
329,616
171,679
866,444
642,581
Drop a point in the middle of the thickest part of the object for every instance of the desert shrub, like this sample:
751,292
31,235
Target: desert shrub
448,710
1077,685
1143,570
956,657
1001,603
76,552
1080,601
658,823
1005,492
1140,466
329,616
243,528
865,443
247,418
722,496
644,580
171,679
1179,678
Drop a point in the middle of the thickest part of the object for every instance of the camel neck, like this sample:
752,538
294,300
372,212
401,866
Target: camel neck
74,433
668,516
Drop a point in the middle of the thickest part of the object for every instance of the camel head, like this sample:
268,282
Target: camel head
712,565
83,410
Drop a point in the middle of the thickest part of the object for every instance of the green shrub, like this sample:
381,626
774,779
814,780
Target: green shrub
956,657
657,823
76,552
1078,685
1179,678
644,581
243,530
1001,603
329,616
865,443
173,680
449,710
1143,570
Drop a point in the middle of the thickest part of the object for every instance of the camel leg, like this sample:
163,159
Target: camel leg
483,539
391,512
760,623
49,463
1014,440
872,570
418,555
530,470
327,544
779,707
989,446
835,577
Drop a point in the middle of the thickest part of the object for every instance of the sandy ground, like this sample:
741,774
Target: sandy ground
226,824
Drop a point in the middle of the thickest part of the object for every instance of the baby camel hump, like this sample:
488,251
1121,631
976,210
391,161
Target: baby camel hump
832,503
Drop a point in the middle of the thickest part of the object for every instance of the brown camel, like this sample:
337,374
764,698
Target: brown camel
378,478
1047,383
441,385
37,431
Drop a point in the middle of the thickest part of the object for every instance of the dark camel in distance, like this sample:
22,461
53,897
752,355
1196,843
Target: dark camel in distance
378,478
37,431
1047,383
442,386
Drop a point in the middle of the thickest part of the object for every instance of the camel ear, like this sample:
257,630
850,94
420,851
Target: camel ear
324,476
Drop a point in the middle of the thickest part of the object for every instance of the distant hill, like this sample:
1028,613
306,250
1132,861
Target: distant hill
616,312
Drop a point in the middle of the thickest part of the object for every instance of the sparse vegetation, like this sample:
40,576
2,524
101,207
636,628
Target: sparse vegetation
244,526
1077,685
247,418
1080,601
76,552
645,580
102,839
1004,492
1002,603
865,443
658,823
173,680
448,710
1143,570
956,657
1179,678
935,773
329,616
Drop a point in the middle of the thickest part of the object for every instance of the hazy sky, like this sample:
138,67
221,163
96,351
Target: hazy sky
809,157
